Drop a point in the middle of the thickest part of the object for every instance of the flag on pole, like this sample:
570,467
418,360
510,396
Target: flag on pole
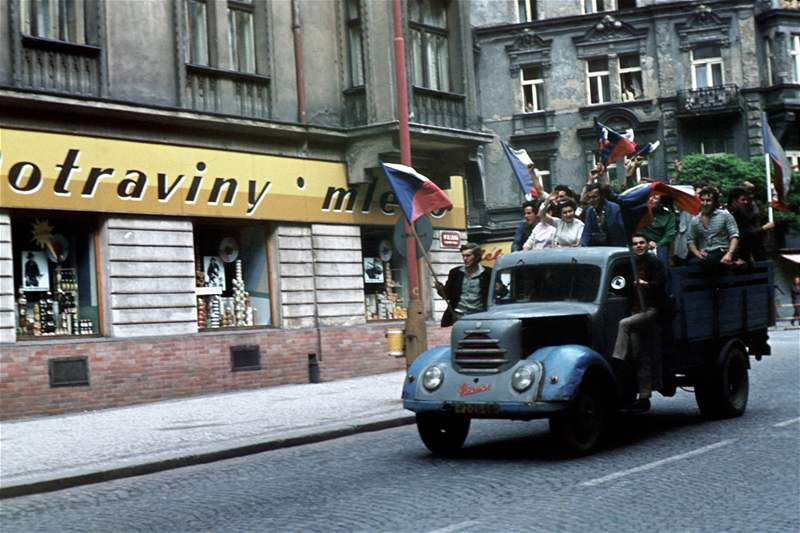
636,209
519,160
648,148
781,170
416,194
613,145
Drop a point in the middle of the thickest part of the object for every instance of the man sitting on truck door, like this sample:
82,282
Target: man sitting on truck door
467,287
643,323
713,234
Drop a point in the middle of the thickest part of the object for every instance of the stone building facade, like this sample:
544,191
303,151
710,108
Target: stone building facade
694,75
191,195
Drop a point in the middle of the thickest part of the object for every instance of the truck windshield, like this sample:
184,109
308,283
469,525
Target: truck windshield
547,283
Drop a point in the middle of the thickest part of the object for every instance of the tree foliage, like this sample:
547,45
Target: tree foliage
728,171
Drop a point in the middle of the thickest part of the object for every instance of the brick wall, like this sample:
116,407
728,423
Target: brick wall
129,371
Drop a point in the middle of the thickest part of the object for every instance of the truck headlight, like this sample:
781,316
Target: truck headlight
523,377
432,378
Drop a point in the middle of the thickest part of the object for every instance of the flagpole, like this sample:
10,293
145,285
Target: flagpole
769,186
416,333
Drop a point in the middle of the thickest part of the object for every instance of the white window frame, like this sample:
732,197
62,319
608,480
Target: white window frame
529,7
597,77
590,6
430,44
197,44
712,154
794,158
770,60
630,70
533,84
794,53
708,63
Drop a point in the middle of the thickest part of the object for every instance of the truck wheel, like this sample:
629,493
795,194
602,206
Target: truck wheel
722,390
443,434
581,428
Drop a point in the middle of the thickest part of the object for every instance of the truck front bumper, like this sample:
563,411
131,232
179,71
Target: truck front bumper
501,410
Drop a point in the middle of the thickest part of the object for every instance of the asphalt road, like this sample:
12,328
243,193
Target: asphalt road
668,470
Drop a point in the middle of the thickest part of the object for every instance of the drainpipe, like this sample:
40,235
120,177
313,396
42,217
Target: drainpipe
297,33
416,335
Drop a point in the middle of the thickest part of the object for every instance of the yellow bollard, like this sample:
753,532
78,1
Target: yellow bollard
394,343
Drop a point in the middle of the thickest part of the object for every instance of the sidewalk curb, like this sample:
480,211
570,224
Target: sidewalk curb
26,489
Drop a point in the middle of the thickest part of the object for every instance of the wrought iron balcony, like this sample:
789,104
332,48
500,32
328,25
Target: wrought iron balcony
721,99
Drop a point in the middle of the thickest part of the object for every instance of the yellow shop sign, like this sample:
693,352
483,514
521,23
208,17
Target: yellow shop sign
69,172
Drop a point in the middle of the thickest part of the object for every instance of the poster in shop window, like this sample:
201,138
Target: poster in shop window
373,270
35,271
214,271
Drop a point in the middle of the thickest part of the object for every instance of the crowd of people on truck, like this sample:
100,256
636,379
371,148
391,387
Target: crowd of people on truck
717,238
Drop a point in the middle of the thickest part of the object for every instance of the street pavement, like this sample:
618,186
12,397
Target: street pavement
51,453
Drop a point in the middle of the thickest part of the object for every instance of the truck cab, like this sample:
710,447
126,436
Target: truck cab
542,348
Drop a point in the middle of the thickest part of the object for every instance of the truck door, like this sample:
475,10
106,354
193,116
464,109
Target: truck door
619,289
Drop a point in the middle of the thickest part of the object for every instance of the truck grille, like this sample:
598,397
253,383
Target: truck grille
478,353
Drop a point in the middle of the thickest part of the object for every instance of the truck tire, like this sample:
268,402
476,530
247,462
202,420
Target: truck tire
581,428
442,434
722,390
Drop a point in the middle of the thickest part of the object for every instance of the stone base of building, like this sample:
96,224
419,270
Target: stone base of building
122,372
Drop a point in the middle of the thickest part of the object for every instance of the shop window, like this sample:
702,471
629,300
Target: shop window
232,275
385,291
55,276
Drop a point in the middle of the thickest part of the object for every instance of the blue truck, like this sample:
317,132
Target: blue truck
542,349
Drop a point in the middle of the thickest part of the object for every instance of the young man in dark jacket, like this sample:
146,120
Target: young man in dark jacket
467,287
644,323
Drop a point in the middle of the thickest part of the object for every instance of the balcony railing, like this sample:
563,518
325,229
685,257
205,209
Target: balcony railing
438,108
49,65
231,93
709,100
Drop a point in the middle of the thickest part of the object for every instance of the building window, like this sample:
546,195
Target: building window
626,4
532,89
355,41
597,80
630,77
712,146
526,10
60,20
597,6
232,276
55,276
794,53
429,44
385,294
240,29
770,61
197,31
706,67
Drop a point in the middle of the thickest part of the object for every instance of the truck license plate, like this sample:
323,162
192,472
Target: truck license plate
477,408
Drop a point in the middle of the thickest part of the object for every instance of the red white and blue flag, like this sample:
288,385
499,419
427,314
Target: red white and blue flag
613,145
519,160
636,208
781,167
416,194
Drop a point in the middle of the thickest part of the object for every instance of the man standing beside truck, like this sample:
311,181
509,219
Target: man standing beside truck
643,323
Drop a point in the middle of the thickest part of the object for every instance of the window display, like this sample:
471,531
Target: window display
384,276
55,276
232,277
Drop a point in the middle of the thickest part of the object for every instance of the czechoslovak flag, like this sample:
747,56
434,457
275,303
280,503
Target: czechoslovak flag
416,194
613,145
781,168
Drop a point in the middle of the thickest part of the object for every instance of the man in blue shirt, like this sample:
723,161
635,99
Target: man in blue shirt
603,225
525,227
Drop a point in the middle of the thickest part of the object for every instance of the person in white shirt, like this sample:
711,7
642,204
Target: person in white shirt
568,229
541,235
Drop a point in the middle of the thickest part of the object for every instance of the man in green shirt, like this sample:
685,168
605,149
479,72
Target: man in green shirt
661,231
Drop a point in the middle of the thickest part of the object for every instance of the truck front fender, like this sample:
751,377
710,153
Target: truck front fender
565,367
434,355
